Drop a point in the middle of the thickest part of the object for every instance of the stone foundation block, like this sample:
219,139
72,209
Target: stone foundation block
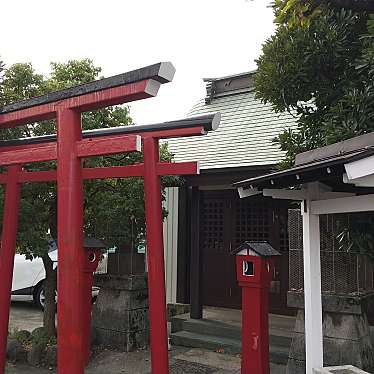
120,314
346,335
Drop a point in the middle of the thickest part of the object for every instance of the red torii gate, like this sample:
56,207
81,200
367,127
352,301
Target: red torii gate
68,148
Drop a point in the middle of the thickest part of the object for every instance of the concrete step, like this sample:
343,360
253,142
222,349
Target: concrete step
278,337
278,354
214,328
214,343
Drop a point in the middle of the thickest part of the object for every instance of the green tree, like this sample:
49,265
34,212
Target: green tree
319,66
114,208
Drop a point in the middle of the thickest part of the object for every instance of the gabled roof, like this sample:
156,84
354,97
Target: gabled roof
247,128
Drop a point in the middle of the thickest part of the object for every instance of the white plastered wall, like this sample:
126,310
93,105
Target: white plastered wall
171,243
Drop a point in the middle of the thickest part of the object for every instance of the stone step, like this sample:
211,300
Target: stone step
278,354
278,337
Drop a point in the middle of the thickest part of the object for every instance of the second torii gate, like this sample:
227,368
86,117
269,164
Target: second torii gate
68,147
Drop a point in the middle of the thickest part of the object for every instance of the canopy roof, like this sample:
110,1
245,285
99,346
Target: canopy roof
325,164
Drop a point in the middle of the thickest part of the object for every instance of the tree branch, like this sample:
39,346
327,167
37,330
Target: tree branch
50,285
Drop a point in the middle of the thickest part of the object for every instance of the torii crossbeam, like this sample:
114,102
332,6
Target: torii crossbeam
68,147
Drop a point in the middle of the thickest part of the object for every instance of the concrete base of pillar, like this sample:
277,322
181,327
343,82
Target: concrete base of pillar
346,331
346,369
120,314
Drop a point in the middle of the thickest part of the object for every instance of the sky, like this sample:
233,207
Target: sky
202,38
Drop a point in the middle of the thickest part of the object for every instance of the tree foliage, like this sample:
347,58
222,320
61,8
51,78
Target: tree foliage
319,66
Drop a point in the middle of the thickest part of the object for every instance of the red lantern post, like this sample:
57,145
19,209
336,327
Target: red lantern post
254,269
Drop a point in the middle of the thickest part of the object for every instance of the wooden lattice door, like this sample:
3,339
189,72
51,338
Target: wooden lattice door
226,222
252,219
264,219
215,248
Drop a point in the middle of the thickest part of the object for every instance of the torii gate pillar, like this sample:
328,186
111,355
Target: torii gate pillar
8,248
155,256
70,238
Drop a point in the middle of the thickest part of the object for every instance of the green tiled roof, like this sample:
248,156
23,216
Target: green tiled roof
244,137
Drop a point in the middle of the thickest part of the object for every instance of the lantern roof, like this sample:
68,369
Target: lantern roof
262,249
92,243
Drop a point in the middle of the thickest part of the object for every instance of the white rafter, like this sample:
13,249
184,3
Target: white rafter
360,168
285,194
248,192
367,181
363,203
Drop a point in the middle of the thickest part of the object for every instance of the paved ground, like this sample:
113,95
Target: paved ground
24,316
182,360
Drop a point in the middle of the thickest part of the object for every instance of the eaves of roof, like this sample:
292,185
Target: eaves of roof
319,170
